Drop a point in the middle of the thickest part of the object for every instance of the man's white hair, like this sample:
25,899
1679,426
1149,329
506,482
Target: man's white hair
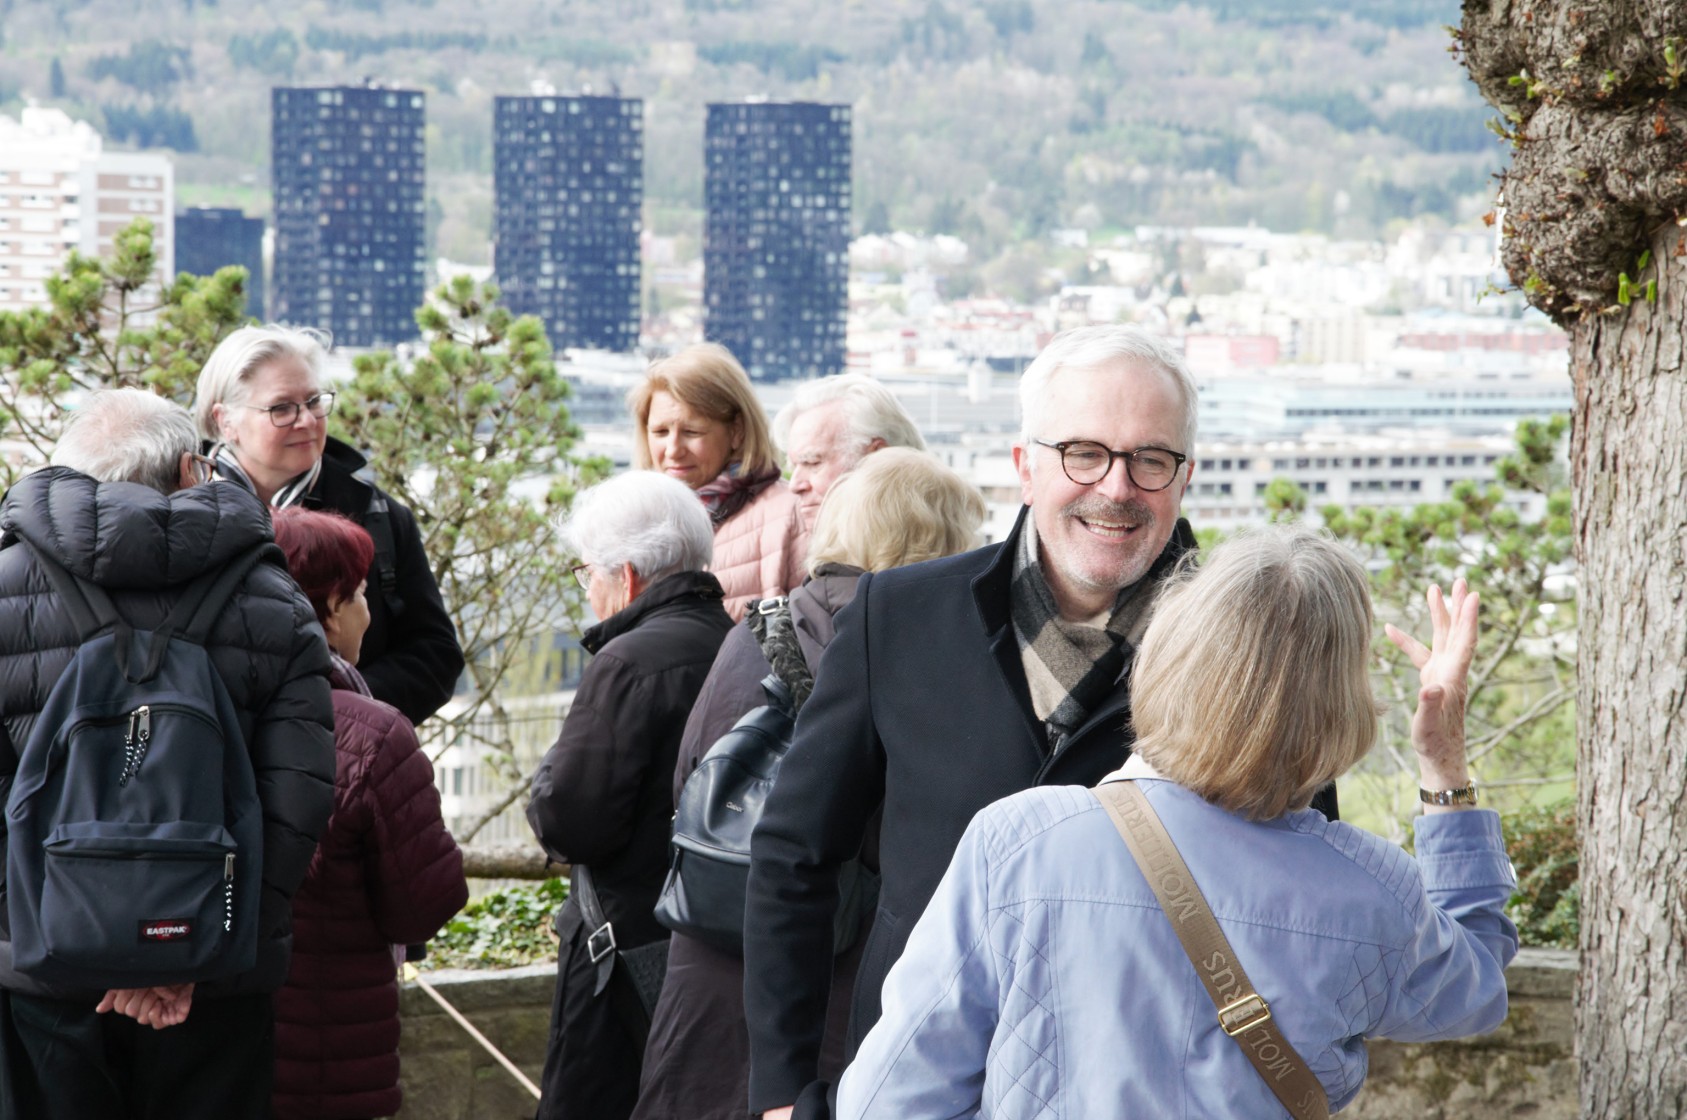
1092,348
127,435
648,520
870,410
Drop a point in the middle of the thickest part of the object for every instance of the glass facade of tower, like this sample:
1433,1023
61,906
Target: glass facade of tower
347,170
776,235
568,183
209,238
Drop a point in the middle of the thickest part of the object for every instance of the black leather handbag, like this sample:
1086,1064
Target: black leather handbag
704,893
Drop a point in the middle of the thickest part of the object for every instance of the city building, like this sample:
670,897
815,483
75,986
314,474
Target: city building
347,173
209,238
61,191
776,235
568,187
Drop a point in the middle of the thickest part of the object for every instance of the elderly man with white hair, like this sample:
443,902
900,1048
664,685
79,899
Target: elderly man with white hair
602,797
123,509
830,426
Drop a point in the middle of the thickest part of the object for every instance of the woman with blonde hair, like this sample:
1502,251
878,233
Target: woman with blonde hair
697,420
898,507
1045,968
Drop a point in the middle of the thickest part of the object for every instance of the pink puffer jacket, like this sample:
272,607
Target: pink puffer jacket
761,551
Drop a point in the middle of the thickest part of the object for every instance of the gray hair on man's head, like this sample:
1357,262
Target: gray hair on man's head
225,373
648,520
127,435
1092,348
871,411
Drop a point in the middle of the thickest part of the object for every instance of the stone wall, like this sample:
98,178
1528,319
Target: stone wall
1526,1068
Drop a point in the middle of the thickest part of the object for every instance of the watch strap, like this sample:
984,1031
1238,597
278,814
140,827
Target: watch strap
1462,795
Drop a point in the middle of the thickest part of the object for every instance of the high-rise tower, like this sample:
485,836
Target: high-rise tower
347,170
776,235
568,183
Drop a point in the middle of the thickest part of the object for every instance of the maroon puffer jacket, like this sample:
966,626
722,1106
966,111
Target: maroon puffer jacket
386,874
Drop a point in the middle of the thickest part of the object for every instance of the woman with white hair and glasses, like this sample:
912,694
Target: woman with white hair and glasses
262,405
601,799
1050,976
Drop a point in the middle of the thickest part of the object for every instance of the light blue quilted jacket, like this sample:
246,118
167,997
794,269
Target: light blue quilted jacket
1044,982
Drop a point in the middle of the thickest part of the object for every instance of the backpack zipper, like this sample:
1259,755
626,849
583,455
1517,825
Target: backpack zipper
135,742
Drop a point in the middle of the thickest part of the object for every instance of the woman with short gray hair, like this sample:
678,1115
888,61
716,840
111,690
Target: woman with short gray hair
600,798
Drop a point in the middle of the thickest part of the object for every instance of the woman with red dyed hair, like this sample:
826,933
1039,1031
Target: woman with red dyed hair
386,874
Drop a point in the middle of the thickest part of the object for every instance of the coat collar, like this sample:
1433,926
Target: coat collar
681,587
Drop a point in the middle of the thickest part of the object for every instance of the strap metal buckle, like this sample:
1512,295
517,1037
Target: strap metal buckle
1244,1015
607,932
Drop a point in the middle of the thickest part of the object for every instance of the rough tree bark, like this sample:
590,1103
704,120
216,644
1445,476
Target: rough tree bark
1594,95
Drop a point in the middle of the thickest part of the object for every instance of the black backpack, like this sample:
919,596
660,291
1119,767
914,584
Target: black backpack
723,799
135,849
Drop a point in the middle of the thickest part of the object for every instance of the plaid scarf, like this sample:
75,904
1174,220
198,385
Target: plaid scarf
1071,667
731,490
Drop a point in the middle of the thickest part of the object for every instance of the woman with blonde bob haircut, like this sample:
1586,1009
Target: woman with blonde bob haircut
697,420
898,507
1255,692
1250,693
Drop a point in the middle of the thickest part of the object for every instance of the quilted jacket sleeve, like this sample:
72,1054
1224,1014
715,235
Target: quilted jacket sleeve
1451,979
925,1057
415,868
293,747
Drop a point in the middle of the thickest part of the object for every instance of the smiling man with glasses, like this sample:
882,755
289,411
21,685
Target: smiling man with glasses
955,683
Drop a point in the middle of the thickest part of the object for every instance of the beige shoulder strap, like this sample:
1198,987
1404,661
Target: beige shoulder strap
1242,1012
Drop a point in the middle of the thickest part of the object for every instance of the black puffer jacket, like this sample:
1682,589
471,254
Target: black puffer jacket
141,546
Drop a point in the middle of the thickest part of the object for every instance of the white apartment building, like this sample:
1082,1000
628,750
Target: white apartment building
60,191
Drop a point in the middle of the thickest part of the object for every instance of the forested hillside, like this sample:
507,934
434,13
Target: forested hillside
995,120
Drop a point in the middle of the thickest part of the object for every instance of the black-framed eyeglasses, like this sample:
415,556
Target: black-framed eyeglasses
1087,463
286,414
582,574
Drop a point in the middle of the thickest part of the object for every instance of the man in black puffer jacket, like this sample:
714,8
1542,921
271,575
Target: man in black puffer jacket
120,507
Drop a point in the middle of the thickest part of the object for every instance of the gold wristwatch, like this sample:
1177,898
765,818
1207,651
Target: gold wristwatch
1463,795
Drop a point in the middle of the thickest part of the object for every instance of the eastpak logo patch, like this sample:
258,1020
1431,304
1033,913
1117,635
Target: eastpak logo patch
166,929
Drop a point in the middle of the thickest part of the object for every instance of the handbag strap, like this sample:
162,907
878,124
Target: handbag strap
601,946
1242,1012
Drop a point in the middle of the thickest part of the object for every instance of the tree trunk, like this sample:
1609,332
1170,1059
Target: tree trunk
1593,96
1630,461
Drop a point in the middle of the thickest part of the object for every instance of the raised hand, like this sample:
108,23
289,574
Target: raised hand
1443,685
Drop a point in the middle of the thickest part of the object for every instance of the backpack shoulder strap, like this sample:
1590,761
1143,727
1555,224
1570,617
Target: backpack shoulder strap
204,599
90,608
378,521
770,622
